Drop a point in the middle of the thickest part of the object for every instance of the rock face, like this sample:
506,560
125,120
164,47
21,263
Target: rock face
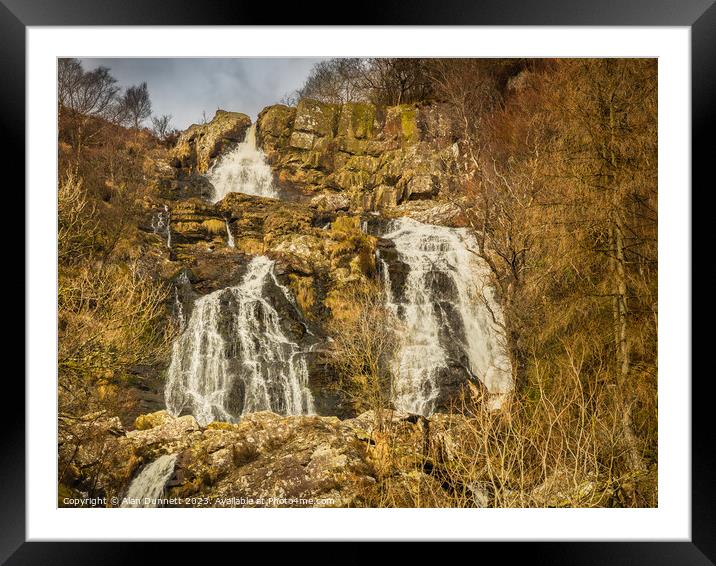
343,171
199,145
319,258
334,165
357,155
268,460
317,253
337,165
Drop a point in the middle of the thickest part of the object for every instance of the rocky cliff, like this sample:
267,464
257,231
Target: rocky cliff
357,156
341,171
335,166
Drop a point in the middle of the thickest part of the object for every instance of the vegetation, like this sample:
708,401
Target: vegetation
565,203
364,346
556,175
111,316
381,81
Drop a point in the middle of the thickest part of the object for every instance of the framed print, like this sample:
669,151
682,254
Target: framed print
288,283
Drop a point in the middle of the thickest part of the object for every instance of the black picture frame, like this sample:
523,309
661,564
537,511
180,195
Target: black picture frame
699,15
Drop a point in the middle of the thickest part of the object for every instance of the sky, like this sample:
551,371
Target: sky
187,87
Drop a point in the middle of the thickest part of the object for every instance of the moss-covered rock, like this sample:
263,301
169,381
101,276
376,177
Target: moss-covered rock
316,252
302,140
200,144
274,126
357,120
151,420
377,157
268,460
316,117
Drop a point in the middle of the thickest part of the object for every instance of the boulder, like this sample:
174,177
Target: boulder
330,201
357,120
274,127
302,140
316,117
199,145
152,420
421,187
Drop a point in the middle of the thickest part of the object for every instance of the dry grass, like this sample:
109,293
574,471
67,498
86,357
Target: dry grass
555,445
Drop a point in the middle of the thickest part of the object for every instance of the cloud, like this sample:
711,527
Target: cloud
187,87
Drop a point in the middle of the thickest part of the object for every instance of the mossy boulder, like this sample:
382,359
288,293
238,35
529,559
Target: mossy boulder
200,144
151,420
316,117
357,120
274,126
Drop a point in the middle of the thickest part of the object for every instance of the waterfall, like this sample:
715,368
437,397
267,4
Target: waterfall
243,170
229,235
169,226
178,309
233,356
149,484
161,224
449,313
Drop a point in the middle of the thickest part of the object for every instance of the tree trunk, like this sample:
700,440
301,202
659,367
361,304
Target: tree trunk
620,307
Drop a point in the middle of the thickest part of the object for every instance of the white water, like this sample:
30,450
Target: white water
149,483
229,236
179,309
432,251
243,170
161,224
258,357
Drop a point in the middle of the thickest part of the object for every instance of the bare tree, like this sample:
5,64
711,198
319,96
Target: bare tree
390,81
383,81
88,101
335,80
290,98
364,346
162,125
91,93
137,104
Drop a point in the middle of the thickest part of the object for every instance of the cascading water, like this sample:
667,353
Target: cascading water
233,356
181,281
161,224
449,312
149,484
229,236
179,309
243,170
